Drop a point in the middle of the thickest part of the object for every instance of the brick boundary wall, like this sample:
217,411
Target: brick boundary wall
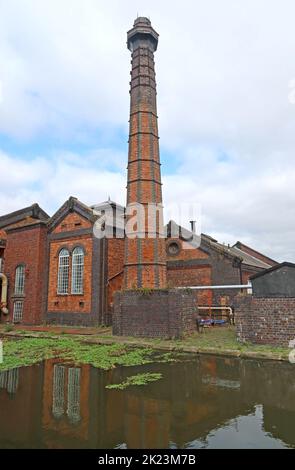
265,320
155,314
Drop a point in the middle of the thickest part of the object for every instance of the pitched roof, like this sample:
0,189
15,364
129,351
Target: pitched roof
221,248
72,205
273,268
203,241
256,254
34,211
249,259
106,205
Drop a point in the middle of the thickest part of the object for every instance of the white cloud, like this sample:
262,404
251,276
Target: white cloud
224,71
51,181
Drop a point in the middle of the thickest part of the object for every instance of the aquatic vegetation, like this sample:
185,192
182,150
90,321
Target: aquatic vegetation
106,352
138,379
28,351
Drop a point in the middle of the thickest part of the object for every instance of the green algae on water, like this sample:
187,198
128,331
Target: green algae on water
29,351
138,380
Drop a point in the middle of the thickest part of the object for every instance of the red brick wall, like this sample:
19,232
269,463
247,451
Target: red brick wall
247,273
196,276
23,223
116,247
187,275
28,246
70,303
72,222
265,320
184,253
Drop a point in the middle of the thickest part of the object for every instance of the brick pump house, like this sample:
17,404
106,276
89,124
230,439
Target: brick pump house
55,270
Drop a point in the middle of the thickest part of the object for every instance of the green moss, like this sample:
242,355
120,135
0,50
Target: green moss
148,290
139,379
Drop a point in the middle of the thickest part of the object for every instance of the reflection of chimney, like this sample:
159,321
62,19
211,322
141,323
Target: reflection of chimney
193,225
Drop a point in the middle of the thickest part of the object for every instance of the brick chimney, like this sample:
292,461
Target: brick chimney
145,256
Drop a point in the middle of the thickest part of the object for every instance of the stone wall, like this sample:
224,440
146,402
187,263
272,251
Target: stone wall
154,314
265,320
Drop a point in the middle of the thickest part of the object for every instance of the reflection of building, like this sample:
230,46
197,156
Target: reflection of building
280,424
21,407
9,380
58,405
70,405
65,401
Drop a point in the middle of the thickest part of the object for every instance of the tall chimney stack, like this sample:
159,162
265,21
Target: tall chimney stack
145,256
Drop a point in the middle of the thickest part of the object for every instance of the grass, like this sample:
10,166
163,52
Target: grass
218,340
225,338
8,328
138,380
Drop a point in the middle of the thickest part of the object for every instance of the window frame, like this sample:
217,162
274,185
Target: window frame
19,280
63,272
19,314
77,272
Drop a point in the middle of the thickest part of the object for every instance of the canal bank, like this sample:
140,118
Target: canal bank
213,341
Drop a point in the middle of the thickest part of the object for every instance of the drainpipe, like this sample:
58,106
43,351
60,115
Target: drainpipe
3,302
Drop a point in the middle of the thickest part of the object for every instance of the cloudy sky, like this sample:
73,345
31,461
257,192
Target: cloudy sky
226,105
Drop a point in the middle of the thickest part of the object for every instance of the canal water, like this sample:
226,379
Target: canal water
204,402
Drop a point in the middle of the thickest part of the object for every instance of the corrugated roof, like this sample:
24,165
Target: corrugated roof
249,259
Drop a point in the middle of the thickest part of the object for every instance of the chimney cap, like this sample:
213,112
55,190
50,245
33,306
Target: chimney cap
142,29
143,20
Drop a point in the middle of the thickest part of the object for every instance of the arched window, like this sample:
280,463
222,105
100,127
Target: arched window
63,272
19,286
77,271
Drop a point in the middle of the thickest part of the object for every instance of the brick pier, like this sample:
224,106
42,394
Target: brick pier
158,314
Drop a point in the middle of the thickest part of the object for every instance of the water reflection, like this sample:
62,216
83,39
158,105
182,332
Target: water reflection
206,402
9,380
61,376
